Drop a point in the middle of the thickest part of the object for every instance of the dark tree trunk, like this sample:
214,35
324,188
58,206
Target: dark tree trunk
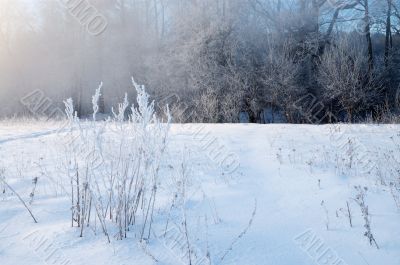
388,33
368,36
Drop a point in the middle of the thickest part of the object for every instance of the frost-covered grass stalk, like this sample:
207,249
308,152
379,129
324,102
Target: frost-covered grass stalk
118,178
32,194
95,101
393,171
326,214
360,200
349,215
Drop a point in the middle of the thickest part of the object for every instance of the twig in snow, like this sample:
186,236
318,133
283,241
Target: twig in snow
242,233
19,197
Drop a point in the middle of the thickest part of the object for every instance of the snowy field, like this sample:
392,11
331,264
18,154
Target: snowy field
254,194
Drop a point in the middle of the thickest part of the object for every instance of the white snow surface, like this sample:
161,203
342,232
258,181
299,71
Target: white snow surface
285,173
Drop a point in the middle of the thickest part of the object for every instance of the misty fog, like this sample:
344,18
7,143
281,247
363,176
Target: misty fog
221,57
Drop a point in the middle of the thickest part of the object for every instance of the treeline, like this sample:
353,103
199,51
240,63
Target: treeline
297,61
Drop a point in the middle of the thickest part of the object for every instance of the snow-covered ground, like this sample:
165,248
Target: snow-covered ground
272,194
